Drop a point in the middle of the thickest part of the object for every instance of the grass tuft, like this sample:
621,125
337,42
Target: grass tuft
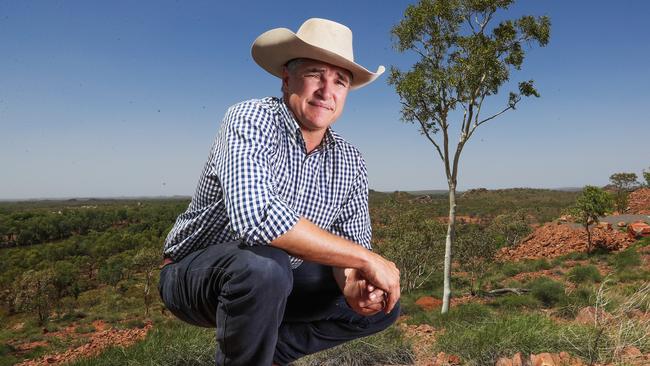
484,342
584,274
626,260
385,348
547,291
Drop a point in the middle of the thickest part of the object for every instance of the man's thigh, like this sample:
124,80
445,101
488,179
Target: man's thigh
192,288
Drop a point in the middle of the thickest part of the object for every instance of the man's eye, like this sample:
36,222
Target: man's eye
342,83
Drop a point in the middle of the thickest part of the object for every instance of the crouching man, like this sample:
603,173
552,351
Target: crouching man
274,248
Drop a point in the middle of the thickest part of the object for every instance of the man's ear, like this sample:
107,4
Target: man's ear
285,78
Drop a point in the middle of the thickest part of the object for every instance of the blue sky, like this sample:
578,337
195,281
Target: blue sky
123,98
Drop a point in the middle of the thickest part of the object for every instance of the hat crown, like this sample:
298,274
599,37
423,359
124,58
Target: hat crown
328,35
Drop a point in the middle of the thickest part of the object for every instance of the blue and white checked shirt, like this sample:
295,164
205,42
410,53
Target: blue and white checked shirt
259,180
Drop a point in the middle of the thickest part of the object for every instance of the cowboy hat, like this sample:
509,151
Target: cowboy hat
318,39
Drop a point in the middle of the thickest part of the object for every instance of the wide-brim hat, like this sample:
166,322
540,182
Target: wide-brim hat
318,39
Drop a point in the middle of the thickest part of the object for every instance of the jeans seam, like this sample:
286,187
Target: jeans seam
225,320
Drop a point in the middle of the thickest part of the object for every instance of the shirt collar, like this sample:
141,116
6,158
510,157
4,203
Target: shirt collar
292,126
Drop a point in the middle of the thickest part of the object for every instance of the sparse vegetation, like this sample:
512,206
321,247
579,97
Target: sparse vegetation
581,274
483,342
547,291
386,348
80,296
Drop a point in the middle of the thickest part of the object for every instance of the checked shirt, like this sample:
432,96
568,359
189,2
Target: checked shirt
259,180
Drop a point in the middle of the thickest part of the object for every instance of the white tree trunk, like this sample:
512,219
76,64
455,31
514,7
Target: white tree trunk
451,234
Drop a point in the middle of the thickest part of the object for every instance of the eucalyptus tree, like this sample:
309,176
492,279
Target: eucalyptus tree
591,204
623,184
463,58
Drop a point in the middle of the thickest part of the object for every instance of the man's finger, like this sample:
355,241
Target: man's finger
376,295
392,298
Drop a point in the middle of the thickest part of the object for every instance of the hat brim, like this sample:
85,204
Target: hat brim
273,49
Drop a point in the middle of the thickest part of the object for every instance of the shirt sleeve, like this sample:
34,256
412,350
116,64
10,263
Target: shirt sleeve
243,149
353,222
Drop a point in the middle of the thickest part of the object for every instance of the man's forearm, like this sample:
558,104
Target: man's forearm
308,241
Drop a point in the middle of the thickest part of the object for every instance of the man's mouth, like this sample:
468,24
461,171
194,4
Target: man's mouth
322,105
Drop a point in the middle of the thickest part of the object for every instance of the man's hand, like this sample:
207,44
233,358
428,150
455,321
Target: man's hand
309,242
383,274
362,296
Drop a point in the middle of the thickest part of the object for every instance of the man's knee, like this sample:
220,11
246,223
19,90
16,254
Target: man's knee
267,270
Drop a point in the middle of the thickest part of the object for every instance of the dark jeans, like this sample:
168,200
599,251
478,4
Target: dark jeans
262,310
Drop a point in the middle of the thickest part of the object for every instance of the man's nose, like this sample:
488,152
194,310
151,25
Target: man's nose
325,89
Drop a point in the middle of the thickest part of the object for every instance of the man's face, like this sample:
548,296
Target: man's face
315,92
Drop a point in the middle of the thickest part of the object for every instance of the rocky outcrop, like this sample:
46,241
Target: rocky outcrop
554,240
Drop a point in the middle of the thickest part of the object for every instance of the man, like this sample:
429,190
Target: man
273,249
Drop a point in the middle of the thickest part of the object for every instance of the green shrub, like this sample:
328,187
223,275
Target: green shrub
512,302
582,274
483,343
464,313
510,269
540,264
5,349
547,291
627,259
576,256
630,275
570,305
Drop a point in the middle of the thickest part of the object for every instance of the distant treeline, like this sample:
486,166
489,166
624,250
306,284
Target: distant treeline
26,226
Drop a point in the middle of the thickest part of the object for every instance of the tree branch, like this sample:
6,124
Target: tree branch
501,291
425,130
485,22
489,118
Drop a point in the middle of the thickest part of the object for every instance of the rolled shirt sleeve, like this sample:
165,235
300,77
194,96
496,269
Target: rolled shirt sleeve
244,146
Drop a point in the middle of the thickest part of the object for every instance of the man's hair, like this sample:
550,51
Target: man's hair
291,66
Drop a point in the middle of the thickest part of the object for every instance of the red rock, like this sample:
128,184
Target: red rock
428,303
517,360
443,359
503,361
544,359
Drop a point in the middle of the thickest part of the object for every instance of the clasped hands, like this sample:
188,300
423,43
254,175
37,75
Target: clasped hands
361,295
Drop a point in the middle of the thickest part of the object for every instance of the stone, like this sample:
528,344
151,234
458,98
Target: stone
544,359
428,303
517,360
443,359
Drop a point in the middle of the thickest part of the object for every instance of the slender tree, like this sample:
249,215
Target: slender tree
462,60
592,203
623,184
